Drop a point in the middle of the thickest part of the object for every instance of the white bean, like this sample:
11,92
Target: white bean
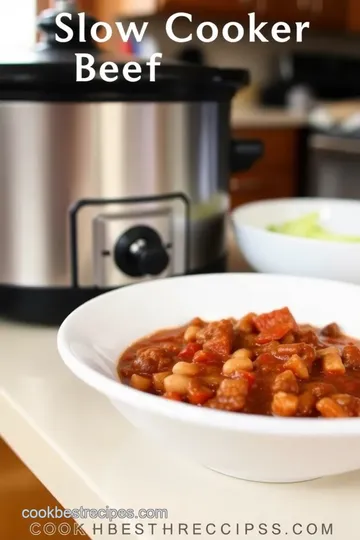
297,366
191,333
185,368
158,380
177,383
242,353
237,364
140,383
332,363
212,380
284,404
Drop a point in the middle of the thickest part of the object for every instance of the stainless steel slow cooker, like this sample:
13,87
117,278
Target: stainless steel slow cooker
104,185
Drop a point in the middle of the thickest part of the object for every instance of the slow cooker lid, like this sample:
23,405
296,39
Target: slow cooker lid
51,69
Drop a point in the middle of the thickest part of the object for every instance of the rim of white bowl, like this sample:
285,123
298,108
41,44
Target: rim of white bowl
297,239
201,416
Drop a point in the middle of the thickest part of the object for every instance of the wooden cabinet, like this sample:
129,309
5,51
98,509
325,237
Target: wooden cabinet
238,9
275,175
322,14
353,16
328,14
20,489
291,11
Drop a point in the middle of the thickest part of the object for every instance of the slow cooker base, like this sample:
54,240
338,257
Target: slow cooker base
50,306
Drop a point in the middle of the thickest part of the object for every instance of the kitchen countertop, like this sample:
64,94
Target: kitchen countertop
236,262
87,455
244,116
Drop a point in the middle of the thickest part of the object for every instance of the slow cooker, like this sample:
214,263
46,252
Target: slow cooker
105,185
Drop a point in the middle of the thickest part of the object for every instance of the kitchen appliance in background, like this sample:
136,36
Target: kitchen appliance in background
104,185
334,151
304,81
325,77
192,55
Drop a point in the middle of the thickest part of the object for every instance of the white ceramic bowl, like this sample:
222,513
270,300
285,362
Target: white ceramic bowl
281,254
257,448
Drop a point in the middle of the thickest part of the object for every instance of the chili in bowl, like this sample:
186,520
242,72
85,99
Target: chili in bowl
262,396
264,364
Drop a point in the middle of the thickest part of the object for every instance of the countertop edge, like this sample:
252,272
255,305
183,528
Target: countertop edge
266,117
46,462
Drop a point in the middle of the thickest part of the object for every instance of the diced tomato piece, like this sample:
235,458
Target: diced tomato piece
273,334
265,358
267,363
199,398
217,337
274,325
198,393
174,396
351,387
267,321
206,357
188,352
249,377
219,345
351,356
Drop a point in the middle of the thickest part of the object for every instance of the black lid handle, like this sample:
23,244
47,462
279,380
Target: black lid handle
244,153
46,24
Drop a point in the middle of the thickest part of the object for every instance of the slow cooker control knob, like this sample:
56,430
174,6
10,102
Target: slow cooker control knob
152,261
140,252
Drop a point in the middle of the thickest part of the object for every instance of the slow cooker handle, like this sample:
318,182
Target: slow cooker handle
244,153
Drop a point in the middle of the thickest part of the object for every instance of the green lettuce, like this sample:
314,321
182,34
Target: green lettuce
308,226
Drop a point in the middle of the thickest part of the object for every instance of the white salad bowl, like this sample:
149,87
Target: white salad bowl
251,447
278,253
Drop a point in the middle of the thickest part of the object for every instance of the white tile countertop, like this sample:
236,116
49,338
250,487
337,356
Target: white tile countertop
88,456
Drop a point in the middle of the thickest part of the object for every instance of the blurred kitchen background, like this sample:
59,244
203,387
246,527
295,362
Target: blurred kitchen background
304,99
302,102
303,105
